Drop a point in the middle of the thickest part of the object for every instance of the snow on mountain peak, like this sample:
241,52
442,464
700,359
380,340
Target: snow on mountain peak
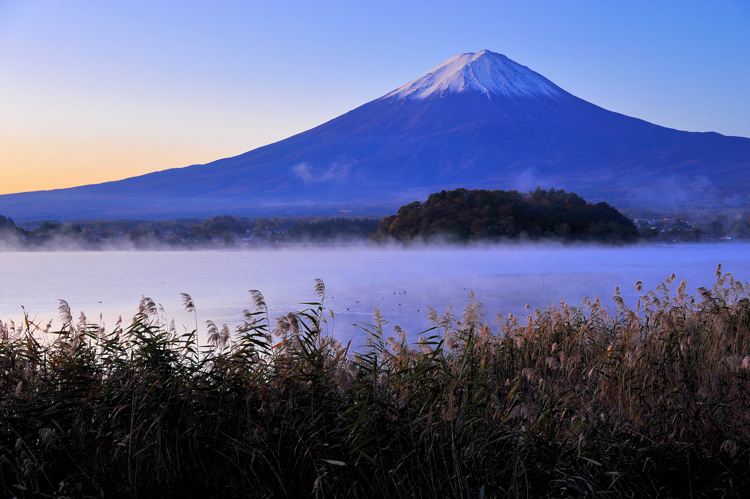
486,72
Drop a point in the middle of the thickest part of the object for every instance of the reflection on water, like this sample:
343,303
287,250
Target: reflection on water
401,282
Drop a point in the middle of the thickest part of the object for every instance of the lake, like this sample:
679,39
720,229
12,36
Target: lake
401,282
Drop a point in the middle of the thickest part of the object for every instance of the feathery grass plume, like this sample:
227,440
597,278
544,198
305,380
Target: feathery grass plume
212,333
187,302
147,306
65,316
400,333
398,345
472,315
258,301
294,323
447,321
162,314
378,319
81,322
617,298
320,288
433,317
282,326
224,336
572,401
681,291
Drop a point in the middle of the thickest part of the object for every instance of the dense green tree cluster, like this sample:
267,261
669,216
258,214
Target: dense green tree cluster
464,215
334,229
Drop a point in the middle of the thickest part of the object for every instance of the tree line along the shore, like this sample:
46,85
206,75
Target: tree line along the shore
459,215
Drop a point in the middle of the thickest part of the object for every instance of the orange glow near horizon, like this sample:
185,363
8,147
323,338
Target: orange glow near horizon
100,91
35,165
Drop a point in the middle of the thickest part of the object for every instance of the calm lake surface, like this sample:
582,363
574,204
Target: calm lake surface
401,282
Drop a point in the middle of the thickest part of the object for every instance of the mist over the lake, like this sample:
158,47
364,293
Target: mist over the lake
401,282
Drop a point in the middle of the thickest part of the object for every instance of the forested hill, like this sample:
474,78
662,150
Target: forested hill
462,215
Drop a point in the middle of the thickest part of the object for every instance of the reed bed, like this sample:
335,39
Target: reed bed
580,401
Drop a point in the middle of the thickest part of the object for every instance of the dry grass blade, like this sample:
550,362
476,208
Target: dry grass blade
575,401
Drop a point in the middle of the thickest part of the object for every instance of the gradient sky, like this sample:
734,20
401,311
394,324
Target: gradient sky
96,91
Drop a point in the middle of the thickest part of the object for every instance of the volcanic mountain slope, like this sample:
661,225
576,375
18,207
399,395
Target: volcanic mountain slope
479,120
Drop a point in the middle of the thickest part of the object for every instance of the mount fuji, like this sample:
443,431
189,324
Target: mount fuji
479,120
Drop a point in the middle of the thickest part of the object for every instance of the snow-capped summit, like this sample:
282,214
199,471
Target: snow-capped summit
486,72
476,121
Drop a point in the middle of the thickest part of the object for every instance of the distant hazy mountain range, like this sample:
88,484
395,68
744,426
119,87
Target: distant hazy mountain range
476,121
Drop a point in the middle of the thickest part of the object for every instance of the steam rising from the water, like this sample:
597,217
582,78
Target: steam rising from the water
404,283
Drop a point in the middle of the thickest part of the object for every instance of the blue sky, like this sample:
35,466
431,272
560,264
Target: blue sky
96,91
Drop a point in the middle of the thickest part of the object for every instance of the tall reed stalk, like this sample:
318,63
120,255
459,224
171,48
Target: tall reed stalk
572,402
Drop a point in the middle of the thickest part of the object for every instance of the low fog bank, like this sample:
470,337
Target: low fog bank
657,231
466,218
220,232
352,327
693,197
404,283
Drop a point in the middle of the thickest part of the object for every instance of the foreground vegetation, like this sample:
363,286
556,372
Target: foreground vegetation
573,402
